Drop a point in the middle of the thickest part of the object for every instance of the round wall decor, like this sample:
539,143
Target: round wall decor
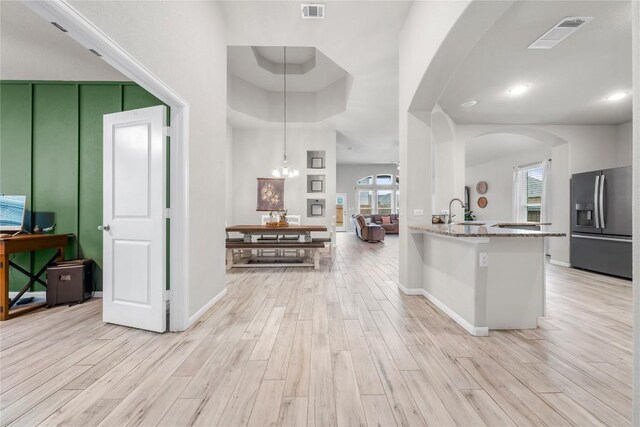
482,202
482,187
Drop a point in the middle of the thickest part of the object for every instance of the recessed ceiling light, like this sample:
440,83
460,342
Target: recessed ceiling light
518,90
469,104
616,96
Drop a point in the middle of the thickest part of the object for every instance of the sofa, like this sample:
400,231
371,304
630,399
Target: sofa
391,228
369,232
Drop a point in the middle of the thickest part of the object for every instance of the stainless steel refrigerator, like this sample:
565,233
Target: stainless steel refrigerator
601,221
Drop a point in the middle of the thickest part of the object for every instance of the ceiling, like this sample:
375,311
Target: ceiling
485,148
295,55
33,49
242,61
360,37
568,83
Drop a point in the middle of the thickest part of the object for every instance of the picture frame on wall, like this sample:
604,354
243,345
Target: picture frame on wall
317,209
317,163
270,194
317,186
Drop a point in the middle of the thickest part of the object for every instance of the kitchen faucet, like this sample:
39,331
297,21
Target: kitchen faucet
451,203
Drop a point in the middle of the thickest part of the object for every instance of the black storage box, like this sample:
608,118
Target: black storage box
69,282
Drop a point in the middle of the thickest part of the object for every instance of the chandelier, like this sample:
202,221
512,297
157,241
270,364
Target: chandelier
285,170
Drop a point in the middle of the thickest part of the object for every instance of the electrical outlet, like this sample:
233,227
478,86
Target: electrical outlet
418,212
484,259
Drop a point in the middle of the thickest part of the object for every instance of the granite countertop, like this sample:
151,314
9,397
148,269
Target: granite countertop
490,229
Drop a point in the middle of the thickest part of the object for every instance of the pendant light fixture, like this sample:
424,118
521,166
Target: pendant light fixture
285,171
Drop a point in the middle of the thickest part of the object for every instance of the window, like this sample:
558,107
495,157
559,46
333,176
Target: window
528,192
367,180
398,202
377,194
365,202
384,179
384,202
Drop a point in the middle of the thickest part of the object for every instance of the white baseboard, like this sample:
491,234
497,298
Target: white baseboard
473,330
206,307
410,291
559,263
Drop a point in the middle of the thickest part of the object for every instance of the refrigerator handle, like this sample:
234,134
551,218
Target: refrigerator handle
595,202
601,207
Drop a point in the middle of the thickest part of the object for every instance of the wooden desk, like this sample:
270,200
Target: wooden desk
25,243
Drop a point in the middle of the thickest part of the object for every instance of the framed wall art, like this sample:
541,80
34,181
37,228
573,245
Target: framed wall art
270,194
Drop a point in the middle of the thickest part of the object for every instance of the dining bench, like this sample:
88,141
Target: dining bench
272,261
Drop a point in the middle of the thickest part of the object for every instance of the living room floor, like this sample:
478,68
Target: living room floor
337,346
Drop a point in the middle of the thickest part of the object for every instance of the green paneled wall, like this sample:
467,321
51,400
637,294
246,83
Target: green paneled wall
51,150
15,156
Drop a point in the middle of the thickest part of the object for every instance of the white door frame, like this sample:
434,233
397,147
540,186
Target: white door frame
87,34
344,211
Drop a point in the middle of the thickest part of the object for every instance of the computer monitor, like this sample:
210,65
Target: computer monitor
12,212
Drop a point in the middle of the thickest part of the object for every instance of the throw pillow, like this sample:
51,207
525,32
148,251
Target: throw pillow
386,220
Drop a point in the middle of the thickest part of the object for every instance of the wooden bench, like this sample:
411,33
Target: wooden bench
276,261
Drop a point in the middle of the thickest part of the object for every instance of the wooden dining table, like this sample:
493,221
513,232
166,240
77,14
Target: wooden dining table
248,231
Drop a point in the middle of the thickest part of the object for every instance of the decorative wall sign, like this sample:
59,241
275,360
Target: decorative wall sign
270,194
482,187
482,202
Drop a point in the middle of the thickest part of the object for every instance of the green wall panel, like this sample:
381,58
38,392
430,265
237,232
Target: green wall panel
55,159
96,100
15,156
51,150
133,97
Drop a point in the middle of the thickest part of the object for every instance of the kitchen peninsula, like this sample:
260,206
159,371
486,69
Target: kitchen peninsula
485,275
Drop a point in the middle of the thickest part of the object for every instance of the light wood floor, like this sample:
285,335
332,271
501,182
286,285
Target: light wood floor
339,346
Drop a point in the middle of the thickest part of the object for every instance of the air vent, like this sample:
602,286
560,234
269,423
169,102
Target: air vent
95,52
60,27
312,11
559,32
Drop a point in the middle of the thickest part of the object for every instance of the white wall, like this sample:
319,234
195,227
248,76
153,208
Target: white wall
498,174
33,49
624,144
228,176
426,26
348,174
448,164
184,45
636,212
434,40
257,151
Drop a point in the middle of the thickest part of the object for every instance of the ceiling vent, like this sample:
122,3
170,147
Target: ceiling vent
312,11
559,32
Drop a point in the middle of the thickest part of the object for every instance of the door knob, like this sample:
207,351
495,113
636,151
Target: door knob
104,227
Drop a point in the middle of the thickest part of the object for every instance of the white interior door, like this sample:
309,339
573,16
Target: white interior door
341,212
133,218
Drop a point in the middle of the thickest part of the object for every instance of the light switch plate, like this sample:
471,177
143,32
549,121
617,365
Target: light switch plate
484,259
418,212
